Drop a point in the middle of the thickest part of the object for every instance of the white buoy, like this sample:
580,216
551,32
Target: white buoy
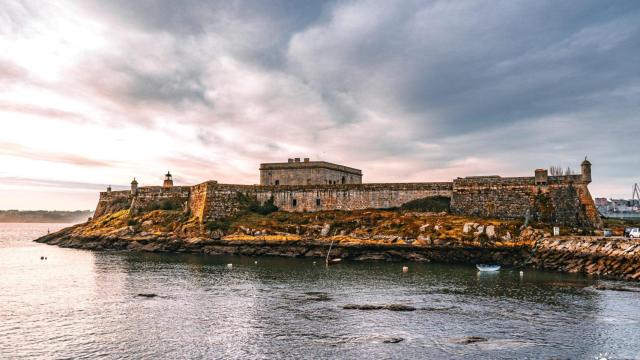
314,263
405,269
229,266
256,262
521,273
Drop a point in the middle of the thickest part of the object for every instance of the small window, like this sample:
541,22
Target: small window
294,202
318,202
344,180
277,182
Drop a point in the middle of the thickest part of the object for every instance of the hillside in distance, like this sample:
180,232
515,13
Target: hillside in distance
44,216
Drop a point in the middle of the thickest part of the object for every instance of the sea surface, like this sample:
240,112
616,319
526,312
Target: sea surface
83,304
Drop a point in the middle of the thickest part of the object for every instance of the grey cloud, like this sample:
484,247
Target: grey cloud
12,149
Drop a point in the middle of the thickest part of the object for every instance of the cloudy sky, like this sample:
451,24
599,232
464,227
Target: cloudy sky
96,92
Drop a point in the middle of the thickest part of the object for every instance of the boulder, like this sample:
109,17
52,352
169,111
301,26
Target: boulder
325,229
490,231
466,228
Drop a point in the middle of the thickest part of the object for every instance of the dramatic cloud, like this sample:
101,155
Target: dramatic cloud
96,92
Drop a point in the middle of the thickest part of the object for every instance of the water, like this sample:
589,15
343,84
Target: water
83,304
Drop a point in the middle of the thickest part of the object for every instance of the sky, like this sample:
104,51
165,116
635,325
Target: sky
96,92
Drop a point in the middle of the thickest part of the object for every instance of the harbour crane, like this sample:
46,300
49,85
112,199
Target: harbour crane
635,196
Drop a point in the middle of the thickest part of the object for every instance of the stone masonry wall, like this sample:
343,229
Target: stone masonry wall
562,200
222,200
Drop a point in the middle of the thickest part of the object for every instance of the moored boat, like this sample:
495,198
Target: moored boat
486,267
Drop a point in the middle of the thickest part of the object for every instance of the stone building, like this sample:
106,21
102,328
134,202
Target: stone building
295,172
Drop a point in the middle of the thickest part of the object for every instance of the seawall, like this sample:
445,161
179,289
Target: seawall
607,257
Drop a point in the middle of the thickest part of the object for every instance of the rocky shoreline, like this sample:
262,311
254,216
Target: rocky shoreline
298,247
367,236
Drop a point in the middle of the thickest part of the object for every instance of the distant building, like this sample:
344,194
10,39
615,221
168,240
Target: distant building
602,202
295,172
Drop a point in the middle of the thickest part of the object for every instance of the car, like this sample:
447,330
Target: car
634,233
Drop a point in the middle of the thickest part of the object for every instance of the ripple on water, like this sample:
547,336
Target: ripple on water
83,304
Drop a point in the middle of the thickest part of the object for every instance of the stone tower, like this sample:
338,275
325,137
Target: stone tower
134,187
586,171
109,189
168,181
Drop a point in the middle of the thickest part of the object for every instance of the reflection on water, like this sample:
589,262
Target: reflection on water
85,304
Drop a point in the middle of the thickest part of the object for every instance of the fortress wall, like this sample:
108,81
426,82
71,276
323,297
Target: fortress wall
350,197
222,199
112,202
150,195
492,196
562,200
198,199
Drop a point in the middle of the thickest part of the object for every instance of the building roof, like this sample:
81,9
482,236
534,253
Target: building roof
310,165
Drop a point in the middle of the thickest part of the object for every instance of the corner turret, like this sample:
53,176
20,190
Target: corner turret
585,171
168,181
134,187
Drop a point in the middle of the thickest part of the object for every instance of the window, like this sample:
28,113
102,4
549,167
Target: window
318,202
294,202
277,182
343,180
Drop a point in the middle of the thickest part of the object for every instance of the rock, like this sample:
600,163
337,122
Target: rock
393,340
437,227
325,229
147,295
466,228
507,236
470,340
391,307
480,230
424,227
490,231
615,288
147,223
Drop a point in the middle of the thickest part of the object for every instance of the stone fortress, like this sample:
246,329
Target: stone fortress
318,185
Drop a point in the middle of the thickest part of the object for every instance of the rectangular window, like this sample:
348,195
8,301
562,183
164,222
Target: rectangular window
294,202
317,202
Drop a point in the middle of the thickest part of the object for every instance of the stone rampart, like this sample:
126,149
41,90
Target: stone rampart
561,200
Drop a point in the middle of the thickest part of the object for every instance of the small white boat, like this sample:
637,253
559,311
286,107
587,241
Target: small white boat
483,267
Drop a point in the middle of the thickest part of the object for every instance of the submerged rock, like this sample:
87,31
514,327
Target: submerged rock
391,307
469,340
147,295
393,340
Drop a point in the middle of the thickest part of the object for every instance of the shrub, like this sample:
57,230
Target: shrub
433,203
220,224
253,205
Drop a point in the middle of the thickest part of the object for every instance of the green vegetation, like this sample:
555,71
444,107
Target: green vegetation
165,204
253,205
221,224
430,204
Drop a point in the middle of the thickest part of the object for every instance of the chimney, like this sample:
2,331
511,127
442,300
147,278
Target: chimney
289,160
306,159
297,159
